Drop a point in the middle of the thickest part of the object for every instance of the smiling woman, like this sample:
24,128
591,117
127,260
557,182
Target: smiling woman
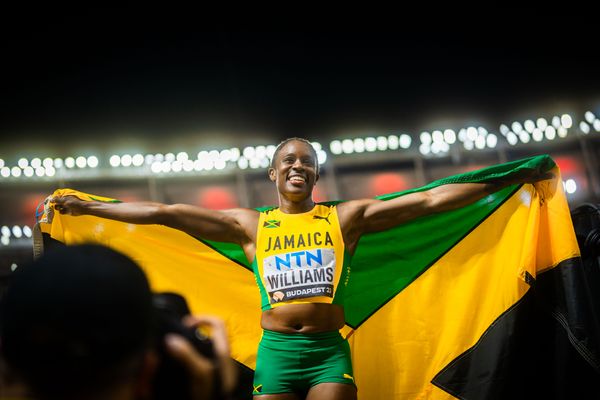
301,253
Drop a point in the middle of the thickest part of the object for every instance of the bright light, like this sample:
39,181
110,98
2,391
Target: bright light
491,140
335,147
480,142
270,151
69,162
149,159
47,163
516,127
81,162
58,163
482,131
13,267
254,164
370,144
50,171
242,163
524,136
347,146
115,160
36,163
359,145
425,138
177,166
248,152
462,135
5,172
436,147
405,141
28,172
159,157
556,121
5,240
156,167
537,135
382,143
393,142
221,164
16,172
449,136
182,156
126,160
529,125
1,163
138,159
541,123
583,127
17,232
316,145
562,131
597,125
550,132
504,129
570,186
22,163
261,152
27,231
589,117
225,155
170,157
198,165
468,145
40,171
321,157
188,165
424,149
437,136
471,133
165,167
5,231
566,121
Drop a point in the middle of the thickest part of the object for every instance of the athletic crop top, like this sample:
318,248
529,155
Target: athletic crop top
300,258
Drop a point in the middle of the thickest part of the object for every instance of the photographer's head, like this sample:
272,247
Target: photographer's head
78,323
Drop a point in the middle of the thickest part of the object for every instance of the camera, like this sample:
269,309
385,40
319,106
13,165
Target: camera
172,380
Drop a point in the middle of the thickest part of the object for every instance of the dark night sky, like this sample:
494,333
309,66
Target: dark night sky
82,77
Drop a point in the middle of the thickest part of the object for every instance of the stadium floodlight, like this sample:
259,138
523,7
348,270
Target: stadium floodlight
5,230
335,147
47,163
482,131
382,143
137,160
36,163
225,155
16,172
40,171
1,163
321,157
156,167
254,164
159,157
188,165
524,137
347,146
81,162
220,164
556,121
462,135
589,117
566,121
270,151
149,159
425,138
198,165
176,166
27,231
504,129
126,160
541,123
369,144
393,142
584,127
5,172
69,162
248,152
449,136
165,167
28,171
570,186
405,141
529,125
359,145
115,160
468,145
317,146
170,157
472,133
537,135
16,231
22,163
550,132
561,131
5,240
424,149
58,163
516,127
491,140
480,142
437,136
182,156
242,163
50,171
597,125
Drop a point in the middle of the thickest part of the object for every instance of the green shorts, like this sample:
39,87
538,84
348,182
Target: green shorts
293,363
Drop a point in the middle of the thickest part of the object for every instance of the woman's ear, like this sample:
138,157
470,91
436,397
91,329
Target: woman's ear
272,174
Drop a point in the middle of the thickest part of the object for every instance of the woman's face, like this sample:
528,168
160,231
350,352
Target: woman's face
295,169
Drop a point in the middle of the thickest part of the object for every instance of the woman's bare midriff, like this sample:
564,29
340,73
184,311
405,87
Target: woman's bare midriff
303,318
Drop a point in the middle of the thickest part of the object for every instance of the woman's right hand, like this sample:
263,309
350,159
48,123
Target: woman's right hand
69,205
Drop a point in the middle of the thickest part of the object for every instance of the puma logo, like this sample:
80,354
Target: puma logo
326,218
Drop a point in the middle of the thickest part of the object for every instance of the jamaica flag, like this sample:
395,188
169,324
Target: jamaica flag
483,302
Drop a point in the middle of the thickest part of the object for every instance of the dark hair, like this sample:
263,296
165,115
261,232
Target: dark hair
77,321
286,141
